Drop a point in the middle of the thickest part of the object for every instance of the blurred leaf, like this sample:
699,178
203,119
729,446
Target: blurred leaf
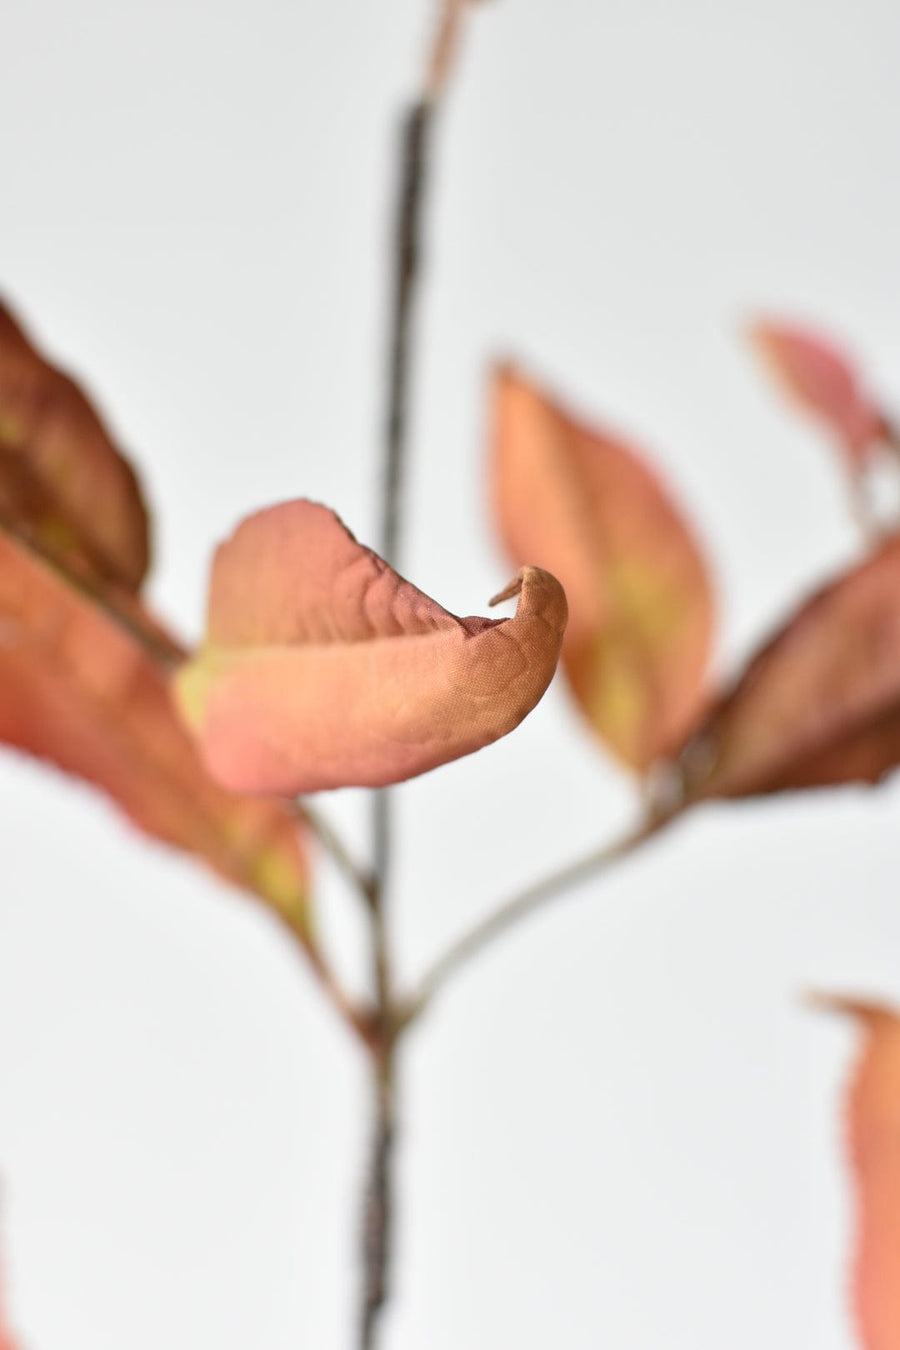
823,381
585,505
324,668
820,703
63,484
6,1336
873,1140
78,688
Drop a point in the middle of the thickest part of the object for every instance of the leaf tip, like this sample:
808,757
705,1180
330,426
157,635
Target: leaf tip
844,1005
508,592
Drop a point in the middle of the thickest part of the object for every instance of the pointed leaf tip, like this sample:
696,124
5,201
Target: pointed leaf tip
582,503
323,668
63,483
509,592
823,381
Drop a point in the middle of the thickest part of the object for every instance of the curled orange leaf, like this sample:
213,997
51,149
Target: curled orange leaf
84,685
823,381
324,668
585,505
820,703
873,1141
63,484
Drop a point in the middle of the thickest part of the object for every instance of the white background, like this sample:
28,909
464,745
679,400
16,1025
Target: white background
622,1129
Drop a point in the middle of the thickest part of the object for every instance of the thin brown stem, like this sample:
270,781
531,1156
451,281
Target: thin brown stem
359,1020
378,1207
525,903
377,1234
360,878
444,47
415,141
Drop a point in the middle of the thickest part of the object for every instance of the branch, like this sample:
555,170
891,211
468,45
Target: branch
359,877
358,1019
415,142
525,903
378,1206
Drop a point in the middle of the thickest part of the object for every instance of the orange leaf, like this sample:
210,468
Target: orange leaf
873,1138
585,505
822,381
79,689
324,668
820,703
62,481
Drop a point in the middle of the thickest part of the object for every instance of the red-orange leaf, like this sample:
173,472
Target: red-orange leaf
80,690
585,505
62,481
323,668
873,1140
823,381
820,703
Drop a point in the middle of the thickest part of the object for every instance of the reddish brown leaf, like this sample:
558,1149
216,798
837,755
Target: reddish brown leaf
62,481
78,689
873,1140
324,668
822,380
585,505
820,703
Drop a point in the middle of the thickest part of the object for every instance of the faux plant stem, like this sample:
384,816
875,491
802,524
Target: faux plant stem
377,1215
361,879
414,139
525,903
378,1209
414,147
357,1019
414,142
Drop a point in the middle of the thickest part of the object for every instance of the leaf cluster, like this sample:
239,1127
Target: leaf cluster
321,667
